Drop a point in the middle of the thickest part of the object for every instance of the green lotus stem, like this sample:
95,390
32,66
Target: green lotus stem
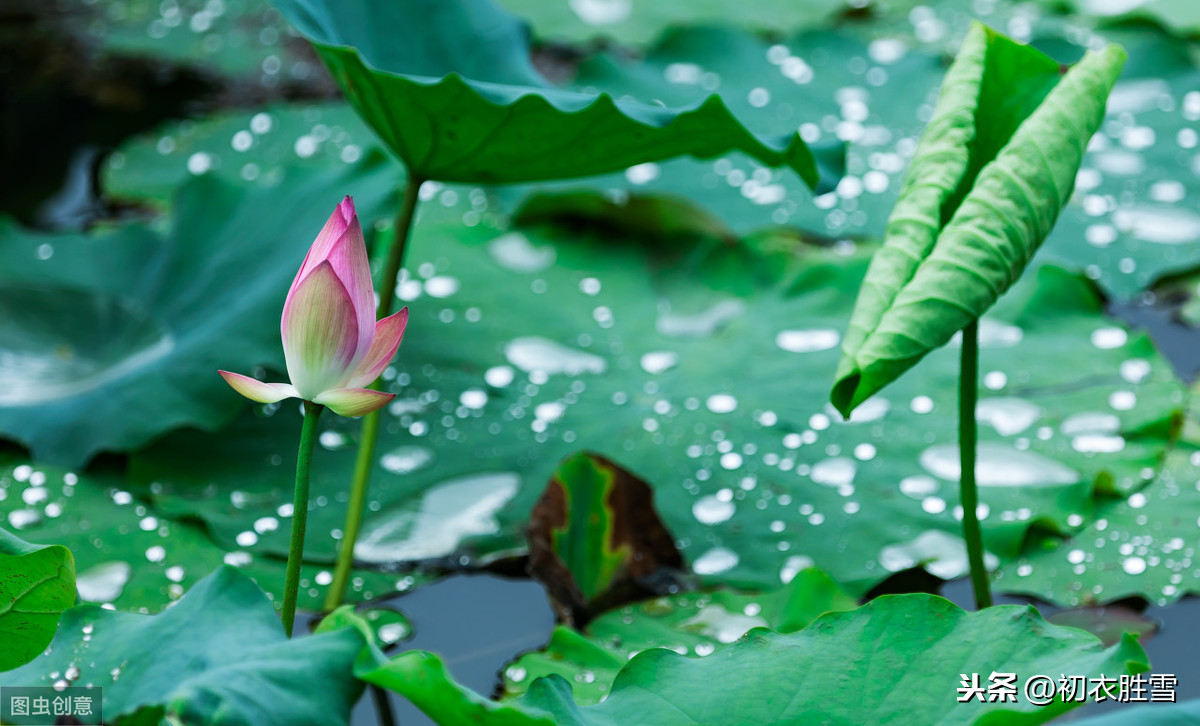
968,395
308,440
370,429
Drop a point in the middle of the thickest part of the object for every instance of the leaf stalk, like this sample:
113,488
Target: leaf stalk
369,435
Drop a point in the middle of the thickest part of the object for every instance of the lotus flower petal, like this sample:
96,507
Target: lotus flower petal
320,333
256,390
334,228
388,333
353,401
350,263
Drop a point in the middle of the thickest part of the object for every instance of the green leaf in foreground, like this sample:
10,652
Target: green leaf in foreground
897,659
693,623
595,537
449,86
994,167
218,656
37,583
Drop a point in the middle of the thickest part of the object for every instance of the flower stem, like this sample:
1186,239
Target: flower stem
308,439
968,395
370,429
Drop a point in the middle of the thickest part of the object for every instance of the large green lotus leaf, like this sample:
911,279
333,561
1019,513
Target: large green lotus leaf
1181,17
697,366
274,146
1130,222
114,338
994,166
450,88
1143,546
129,555
694,623
36,585
898,659
840,90
219,655
641,21
245,39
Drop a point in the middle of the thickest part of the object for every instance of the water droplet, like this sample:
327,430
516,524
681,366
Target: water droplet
642,173
1133,565
157,553
476,398
262,525
714,621
940,553
918,486
700,324
498,376
200,163
714,561
175,573
449,512
995,380
441,286
539,354
549,411
921,404
103,582
24,518
516,674
246,539
334,440
1107,338
712,510
721,403
807,341
602,12
659,361
835,472
515,252
1009,416
999,465
237,559
1090,422
1122,400
793,566
1135,370
1162,225
406,459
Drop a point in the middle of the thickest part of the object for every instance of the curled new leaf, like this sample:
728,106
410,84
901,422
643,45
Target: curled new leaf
449,86
993,168
595,539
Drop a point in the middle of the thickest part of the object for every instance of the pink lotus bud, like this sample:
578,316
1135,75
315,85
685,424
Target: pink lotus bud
331,341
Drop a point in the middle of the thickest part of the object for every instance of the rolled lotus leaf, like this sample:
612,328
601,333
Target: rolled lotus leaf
994,167
450,87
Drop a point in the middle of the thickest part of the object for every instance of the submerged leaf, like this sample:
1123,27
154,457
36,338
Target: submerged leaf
994,167
449,86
